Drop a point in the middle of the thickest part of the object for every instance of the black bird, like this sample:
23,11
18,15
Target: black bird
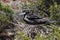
34,19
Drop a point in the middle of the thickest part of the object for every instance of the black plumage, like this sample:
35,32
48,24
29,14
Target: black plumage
34,19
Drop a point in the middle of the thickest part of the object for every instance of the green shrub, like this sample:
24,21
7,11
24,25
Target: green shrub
3,18
54,11
6,15
9,12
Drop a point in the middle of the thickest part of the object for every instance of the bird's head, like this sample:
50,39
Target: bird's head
26,11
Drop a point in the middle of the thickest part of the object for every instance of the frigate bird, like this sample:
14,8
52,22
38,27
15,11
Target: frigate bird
34,19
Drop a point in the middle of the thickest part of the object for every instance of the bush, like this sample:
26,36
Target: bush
54,11
5,16
3,19
9,12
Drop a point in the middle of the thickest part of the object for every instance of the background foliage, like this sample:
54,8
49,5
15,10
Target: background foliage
49,8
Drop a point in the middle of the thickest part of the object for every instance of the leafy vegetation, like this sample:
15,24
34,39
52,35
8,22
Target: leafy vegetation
7,10
3,19
55,35
5,16
51,9
21,36
54,11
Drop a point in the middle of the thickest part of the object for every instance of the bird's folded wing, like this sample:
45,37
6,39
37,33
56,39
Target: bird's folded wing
34,17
